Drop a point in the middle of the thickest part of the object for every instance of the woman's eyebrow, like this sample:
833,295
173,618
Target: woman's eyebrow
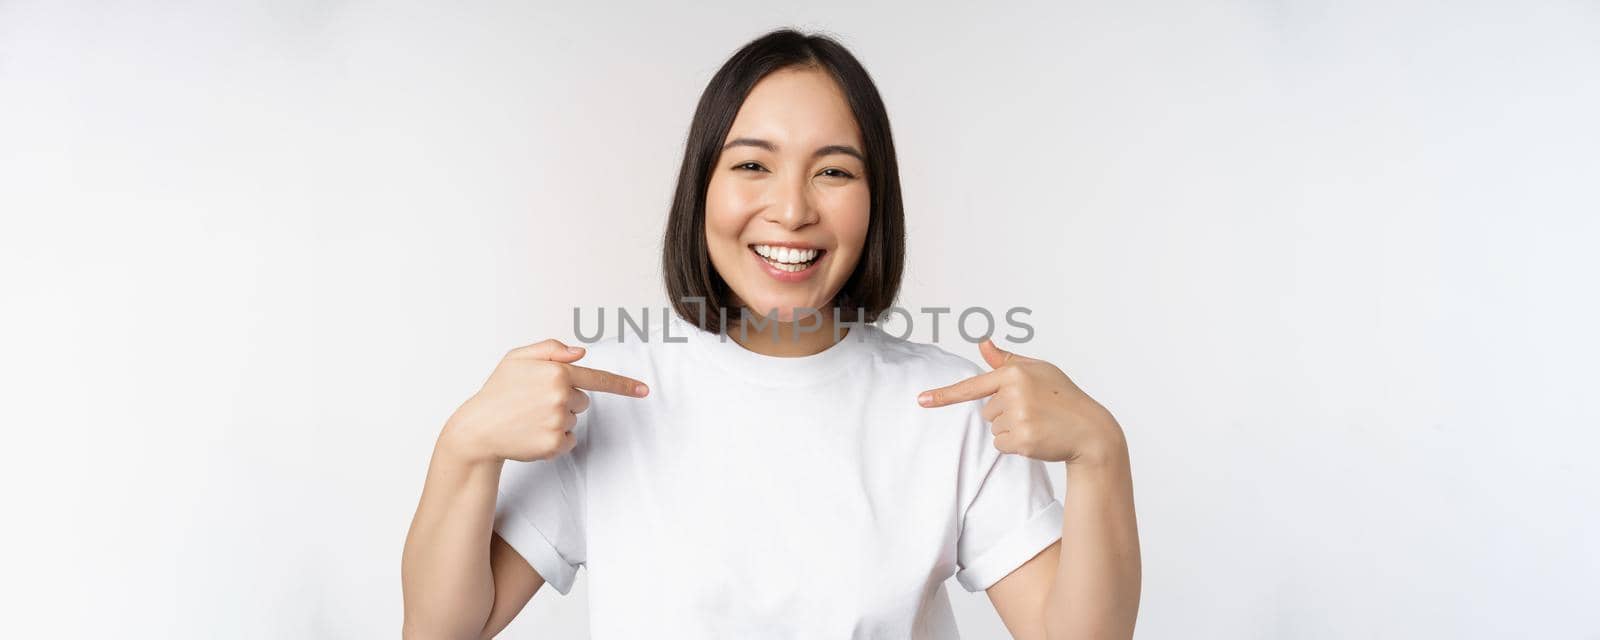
821,151
839,148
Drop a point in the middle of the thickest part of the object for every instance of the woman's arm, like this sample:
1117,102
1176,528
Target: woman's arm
458,579
1097,581
1090,580
1087,585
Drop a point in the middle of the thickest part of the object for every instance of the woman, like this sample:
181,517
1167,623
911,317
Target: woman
776,477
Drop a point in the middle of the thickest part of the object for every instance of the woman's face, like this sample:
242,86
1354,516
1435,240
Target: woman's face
788,203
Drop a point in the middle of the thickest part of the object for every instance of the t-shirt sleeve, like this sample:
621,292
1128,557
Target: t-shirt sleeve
540,512
1010,512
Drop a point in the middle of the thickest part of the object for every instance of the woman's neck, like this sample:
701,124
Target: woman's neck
769,337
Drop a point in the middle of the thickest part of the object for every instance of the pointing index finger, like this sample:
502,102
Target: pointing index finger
972,388
605,381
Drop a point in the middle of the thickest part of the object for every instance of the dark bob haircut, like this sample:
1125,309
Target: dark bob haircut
686,262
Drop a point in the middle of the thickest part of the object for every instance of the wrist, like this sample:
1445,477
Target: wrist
1110,454
458,445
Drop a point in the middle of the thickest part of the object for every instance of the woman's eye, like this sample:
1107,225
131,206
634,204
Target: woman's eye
836,173
749,166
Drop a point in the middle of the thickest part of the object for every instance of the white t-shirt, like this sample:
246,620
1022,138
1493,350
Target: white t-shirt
755,496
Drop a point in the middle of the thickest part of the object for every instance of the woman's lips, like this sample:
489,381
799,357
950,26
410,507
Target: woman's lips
788,272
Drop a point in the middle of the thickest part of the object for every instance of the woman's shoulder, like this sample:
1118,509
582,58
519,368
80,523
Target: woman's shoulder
919,358
616,351
636,353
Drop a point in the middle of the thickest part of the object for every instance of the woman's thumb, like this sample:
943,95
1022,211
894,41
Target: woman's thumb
553,350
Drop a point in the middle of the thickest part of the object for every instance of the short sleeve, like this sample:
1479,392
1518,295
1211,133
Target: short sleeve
540,511
1010,509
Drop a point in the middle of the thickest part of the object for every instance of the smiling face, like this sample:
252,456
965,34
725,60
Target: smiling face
788,202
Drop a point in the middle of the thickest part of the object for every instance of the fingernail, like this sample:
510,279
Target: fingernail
574,349
925,399
640,390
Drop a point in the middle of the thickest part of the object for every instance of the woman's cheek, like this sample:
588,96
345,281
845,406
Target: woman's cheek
855,207
733,200
725,207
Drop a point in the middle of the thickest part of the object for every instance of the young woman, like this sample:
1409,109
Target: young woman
785,472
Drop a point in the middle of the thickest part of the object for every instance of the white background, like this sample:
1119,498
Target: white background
1331,266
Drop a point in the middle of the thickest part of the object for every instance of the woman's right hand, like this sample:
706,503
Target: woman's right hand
526,409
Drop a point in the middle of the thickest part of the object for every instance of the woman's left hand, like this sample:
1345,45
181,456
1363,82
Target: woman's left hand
1035,410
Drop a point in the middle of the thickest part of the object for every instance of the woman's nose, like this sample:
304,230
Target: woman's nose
792,207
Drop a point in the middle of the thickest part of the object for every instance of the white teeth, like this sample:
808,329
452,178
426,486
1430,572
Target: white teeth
786,255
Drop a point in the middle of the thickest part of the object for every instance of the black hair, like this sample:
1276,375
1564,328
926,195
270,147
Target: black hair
686,261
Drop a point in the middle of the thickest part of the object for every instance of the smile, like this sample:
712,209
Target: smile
788,259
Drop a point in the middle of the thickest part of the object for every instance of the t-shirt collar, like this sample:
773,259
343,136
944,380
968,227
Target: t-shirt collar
725,352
